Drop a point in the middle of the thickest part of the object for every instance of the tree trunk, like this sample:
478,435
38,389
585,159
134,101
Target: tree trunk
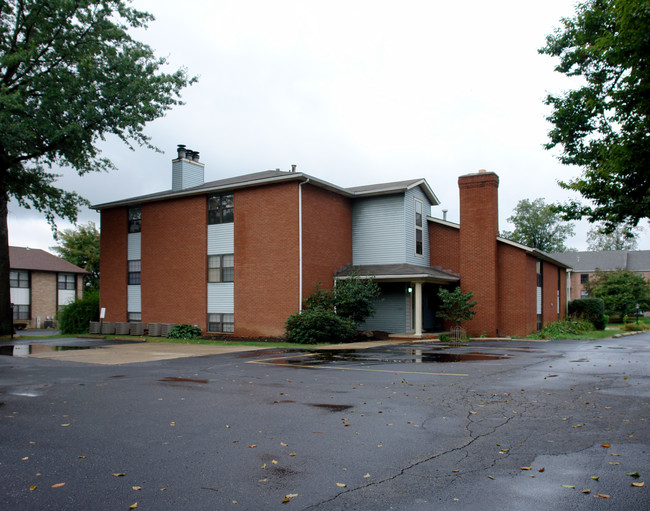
6,314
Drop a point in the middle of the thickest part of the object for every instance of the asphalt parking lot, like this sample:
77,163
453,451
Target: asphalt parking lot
556,425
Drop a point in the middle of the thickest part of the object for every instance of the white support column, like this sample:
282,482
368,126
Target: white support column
418,309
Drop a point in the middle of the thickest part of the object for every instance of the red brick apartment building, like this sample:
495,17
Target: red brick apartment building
239,255
40,284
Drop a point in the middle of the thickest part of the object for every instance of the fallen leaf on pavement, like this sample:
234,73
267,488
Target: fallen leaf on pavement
637,485
572,486
341,485
58,485
283,444
603,495
133,506
613,454
285,500
605,445
292,495
541,469
595,478
633,474
587,492
136,488
33,487
366,476
614,463
525,468
490,477
118,474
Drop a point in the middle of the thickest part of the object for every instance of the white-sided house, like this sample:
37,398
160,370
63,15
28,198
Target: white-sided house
40,283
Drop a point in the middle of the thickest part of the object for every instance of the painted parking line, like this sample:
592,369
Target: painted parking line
275,361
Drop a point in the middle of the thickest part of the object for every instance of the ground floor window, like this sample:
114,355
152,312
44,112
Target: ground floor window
221,322
21,312
134,316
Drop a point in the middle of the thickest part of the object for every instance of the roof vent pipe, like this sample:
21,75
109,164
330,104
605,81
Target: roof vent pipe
181,150
444,214
196,156
293,168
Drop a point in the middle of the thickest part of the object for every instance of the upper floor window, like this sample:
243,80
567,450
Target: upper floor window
18,279
135,219
418,228
66,281
221,268
584,278
220,209
133,278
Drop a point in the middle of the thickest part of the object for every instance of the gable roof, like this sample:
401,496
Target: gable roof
589,261
271,177
25,258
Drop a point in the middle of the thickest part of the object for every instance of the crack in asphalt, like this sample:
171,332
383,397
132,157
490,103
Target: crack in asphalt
403,470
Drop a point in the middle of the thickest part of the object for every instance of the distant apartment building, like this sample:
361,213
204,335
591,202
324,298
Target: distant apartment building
584,265
239,255
40,284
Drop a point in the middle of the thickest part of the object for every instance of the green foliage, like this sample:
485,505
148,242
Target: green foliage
317,326
70,75
81,247
456,306
620,237
620,290
561,329
75,317
633,327
184,331
538,225
603,126
589,309
445,337
352,298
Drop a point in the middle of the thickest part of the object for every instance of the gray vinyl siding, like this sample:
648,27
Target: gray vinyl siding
409,227
134,247
186,174
134,302
221,239
378,230
392,310
221,297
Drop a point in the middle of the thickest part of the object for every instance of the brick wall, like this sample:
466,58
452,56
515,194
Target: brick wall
43,296
516,315
113,250
445,246
266,258
174,261
478,248
327,236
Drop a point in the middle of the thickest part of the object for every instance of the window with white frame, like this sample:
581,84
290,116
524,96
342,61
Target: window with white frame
221,268
133,278
19,278
218,322
66,281
419,249
21,312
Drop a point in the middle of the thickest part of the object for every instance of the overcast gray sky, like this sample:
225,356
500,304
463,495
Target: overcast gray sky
353,92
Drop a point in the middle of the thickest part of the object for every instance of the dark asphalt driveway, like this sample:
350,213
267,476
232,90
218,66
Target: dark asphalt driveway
484,426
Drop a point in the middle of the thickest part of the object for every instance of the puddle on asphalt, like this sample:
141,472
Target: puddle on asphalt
330,407
24,350
173,379
394,356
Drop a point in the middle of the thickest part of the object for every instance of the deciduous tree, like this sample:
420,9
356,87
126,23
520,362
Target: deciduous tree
620,238
538,225
80,246
620,291
603,125
70,74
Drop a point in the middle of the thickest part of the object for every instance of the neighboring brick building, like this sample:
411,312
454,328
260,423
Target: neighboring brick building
40,284
583,266
240,254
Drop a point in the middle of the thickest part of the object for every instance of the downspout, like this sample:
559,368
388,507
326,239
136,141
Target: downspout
300,244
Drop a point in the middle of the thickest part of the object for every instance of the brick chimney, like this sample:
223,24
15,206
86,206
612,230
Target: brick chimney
187,170
479,228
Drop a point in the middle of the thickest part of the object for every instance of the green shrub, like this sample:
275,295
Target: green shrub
184,332
589,309
445,337
75,317
633,327
316,326
564,327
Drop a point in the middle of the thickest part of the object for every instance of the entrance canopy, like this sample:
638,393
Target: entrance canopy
412,274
